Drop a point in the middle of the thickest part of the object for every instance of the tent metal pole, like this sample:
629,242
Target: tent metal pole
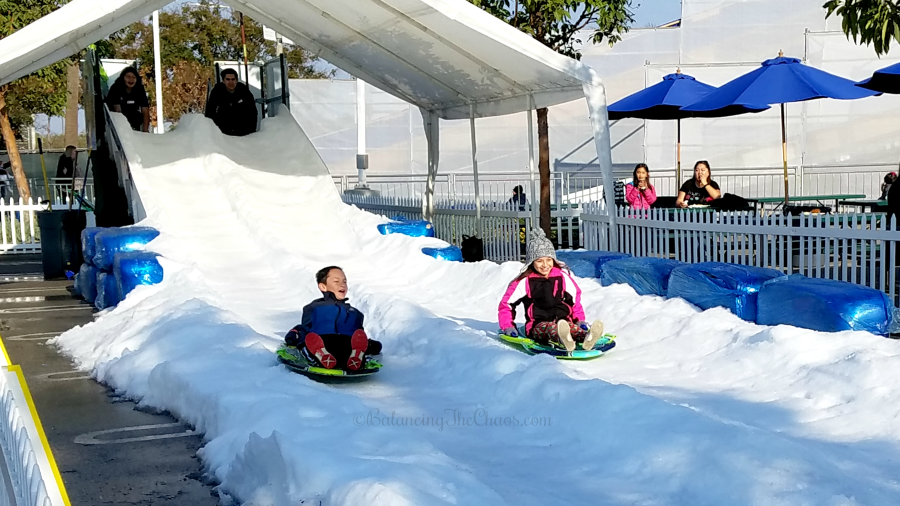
435,160
475,170
432,136
160,125
533,202
362,160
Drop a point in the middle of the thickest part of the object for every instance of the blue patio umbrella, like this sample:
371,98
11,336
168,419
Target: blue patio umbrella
663,101
886,80
778,81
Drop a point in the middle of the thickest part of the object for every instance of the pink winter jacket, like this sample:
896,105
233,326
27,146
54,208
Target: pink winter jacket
638,199
545,299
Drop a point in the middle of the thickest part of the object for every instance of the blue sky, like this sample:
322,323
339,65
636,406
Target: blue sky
647,12
655,12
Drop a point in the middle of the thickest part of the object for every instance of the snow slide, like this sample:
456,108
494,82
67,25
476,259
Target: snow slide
692,408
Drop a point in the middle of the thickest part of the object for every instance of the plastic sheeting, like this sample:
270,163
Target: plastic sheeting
712,284
824,304
586,263
471,57
86,282
450,253
115,240
136,268
647,275
88,247
107,291
412,228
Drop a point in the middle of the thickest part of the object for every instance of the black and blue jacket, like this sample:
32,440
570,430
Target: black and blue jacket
326,316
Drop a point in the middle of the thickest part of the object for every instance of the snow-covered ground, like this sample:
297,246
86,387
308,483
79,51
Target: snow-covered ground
691,408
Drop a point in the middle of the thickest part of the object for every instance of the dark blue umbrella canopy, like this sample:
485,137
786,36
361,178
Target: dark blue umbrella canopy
886,80
778,81
664,100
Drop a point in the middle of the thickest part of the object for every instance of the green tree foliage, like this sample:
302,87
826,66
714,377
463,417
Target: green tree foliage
193,37
873,22
41,92
558,24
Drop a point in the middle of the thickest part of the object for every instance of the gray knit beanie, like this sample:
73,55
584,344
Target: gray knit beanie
539,246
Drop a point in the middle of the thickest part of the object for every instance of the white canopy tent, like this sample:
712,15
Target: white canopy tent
448,57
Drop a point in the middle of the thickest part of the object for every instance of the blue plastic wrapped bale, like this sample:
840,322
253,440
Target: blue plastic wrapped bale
114,240
88,248
712,284
647,275
450,253
86,281
136,268
107,291
588,263
412,228
824,304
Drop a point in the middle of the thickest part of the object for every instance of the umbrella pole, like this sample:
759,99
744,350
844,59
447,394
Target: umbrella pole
678,152
784,157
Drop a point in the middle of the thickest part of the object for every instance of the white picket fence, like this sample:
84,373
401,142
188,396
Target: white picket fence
19,231
858,248
503,224
32,478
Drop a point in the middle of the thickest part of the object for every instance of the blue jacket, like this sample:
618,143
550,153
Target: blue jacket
326,316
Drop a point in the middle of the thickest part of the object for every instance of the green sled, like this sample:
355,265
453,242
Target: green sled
604,344
295,361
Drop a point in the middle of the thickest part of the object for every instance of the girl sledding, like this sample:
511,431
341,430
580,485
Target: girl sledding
554,318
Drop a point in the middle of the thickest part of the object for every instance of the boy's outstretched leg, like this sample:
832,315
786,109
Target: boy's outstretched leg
316,347
594,335
359,342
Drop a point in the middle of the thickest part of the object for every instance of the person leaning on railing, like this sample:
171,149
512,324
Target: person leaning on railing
700,189
639,193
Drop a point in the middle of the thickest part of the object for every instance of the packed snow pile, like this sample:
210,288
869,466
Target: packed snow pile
691,408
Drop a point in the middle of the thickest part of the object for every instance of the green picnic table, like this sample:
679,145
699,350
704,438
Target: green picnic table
810,198
872,205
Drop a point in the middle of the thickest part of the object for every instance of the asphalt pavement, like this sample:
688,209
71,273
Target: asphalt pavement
108,451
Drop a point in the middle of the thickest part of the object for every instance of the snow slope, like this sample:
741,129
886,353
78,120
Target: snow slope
692,408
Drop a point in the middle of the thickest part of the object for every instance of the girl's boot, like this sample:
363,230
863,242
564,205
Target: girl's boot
565,335
593,336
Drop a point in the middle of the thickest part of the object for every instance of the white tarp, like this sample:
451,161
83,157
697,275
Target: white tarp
67,31
441,55
445,56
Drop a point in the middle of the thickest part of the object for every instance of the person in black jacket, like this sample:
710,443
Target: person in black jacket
231,105
127,96
65,168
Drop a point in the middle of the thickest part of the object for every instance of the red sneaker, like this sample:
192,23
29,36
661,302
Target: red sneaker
316,347
359,342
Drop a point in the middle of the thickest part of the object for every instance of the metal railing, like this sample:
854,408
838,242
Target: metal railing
60,189
587,186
